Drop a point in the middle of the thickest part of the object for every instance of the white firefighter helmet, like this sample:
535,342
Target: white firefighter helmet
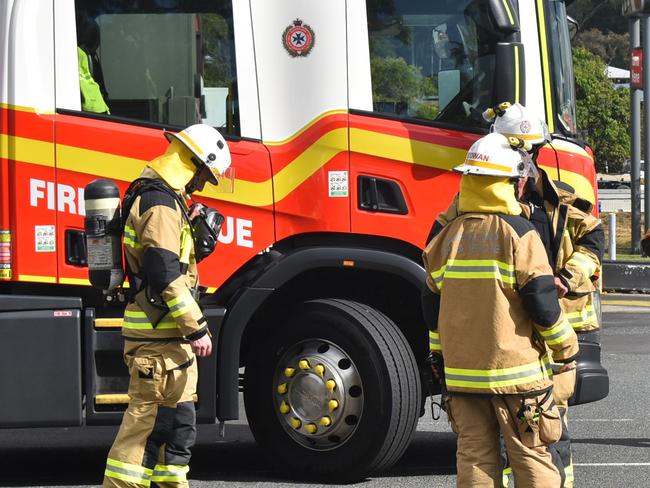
517,121
209,147
498,155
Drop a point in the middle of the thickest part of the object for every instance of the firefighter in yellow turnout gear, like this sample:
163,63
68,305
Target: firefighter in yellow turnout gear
574,243
161,341
496,367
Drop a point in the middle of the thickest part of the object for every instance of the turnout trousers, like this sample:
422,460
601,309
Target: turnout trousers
563,388
152,447
478,420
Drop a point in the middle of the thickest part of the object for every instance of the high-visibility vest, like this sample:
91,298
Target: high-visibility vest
91,95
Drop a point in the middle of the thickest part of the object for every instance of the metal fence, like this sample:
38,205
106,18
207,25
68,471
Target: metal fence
616,200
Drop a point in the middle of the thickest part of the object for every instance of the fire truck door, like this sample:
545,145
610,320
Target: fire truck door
27,176
302,78
119,61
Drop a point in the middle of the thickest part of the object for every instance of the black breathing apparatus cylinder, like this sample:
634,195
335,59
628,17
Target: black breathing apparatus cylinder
103,228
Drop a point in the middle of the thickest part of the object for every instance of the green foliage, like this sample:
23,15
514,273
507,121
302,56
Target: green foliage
613,48
399,87
603,30
604,15
602,110
216,50
427,111
394,80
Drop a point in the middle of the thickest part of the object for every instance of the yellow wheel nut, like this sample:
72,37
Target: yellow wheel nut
289,372
296,423
331,385
284,408
325,421
320,370
333,405
282,388
303,364
311,428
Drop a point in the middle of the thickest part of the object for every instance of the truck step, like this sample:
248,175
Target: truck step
121,399
108,323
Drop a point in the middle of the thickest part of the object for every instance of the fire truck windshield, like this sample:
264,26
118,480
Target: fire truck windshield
433,60
559,43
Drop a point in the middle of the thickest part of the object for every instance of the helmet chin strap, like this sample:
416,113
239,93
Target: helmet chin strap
193,184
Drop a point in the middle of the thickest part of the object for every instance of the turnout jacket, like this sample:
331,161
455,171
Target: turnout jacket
575,248
159,248
493,304
577,244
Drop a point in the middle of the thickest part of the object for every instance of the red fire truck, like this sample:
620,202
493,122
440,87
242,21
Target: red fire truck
343,119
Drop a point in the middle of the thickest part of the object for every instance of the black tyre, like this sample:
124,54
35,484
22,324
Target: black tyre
334,393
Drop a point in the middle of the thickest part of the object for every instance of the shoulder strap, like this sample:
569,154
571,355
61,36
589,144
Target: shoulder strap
142,185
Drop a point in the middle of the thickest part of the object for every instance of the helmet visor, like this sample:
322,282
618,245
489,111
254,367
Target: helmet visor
225,183
527,168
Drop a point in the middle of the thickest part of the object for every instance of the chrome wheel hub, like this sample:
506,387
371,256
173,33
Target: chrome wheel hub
318,394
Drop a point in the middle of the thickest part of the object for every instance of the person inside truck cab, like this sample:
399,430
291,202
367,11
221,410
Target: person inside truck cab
91,80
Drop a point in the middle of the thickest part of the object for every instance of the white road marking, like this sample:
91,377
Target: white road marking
611,464
602,420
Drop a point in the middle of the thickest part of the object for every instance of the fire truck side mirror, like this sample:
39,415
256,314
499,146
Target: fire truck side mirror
505,16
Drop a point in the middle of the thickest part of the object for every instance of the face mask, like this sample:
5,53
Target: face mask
206,227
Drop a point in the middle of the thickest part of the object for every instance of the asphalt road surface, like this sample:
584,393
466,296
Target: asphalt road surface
611,438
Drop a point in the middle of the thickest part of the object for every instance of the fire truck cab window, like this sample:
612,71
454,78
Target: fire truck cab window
561,64
432,60
168,62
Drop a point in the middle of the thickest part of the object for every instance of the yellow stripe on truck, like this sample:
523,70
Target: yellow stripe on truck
546,70
405,150
517,78
27,150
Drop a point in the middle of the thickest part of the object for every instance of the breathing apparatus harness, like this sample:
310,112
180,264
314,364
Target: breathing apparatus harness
204,227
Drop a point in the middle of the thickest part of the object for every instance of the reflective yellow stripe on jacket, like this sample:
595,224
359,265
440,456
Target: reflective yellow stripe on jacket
133,473
181,304
586,265
486,379
186,245
582,317
135,319
475,269
434,341
556,334
130,238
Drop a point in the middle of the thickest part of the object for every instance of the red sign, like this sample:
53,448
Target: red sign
636,69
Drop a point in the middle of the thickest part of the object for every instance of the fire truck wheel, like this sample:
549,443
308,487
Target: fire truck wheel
334,392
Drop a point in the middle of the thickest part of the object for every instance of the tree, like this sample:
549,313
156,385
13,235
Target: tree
398,87
602,110
613,48
603,30
603,15
216,50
